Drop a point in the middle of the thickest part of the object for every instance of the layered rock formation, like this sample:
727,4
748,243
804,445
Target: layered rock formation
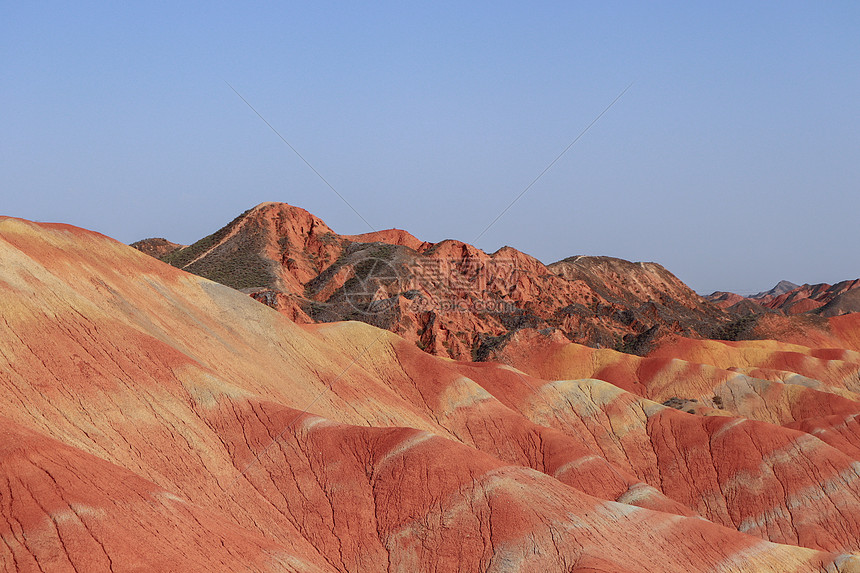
449,298
155,420
786,297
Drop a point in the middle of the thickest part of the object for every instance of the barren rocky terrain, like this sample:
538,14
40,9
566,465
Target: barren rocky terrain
450,298
155,420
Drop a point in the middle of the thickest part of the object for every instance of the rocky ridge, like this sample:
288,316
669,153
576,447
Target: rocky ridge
788,298
449,298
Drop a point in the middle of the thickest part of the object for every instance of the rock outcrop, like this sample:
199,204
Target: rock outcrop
156,247
449,298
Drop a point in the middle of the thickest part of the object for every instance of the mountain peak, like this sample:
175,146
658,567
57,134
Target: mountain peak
781,287
451,298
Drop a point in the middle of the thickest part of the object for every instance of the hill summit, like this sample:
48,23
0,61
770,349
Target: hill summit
450,298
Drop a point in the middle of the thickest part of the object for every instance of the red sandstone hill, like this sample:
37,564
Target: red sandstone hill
155,420
156,247
839,298
450,298
788,298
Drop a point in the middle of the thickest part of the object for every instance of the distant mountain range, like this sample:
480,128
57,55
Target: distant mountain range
452,299
786,297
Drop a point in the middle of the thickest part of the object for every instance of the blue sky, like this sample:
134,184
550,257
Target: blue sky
733,160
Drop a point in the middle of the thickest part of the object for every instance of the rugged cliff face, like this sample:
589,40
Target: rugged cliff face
449,298
155,420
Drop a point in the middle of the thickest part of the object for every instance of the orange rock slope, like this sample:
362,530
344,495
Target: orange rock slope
449,298
155,420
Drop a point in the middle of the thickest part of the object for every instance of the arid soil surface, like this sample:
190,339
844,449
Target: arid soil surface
155,420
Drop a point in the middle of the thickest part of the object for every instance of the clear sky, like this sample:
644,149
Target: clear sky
733,160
